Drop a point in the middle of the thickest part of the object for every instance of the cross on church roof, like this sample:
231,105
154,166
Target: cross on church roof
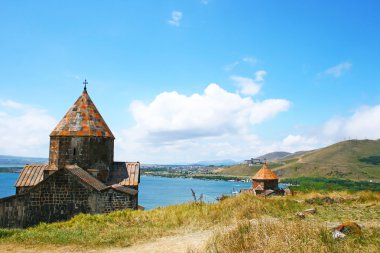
85,83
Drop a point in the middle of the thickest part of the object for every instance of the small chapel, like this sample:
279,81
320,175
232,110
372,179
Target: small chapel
81,175
264,183
265,179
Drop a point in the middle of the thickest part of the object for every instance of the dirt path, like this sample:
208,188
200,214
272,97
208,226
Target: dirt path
173,244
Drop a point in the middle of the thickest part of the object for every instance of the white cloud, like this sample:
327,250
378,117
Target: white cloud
362,124
231,66
248,60
176,127
218,124
24,129
233,146
298,142
333,127
260,75
267,109
339,69
10,104
247,86
215,112
176,17
250,86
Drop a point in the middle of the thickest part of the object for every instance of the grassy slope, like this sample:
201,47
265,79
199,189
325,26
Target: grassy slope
322,184
273,156
242,170
235,214
349,160
238,170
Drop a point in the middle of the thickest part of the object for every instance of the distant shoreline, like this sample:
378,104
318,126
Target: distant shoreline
11,169
197,176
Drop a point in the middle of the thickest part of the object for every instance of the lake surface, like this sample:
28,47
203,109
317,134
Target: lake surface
157,191
7,182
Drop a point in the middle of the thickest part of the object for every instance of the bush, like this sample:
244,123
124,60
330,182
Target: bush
308,184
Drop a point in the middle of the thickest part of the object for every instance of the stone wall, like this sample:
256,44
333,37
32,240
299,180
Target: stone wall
22,189
95,153
60,197
112,200
266,184
12,211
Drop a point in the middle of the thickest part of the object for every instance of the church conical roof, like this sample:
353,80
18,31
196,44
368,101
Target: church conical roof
265,174
83,119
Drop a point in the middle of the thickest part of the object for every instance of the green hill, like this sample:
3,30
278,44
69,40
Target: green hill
353,159
274,156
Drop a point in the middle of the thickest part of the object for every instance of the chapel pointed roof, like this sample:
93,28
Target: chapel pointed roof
265,174
83,119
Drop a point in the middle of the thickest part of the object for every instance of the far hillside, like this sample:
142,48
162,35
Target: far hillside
353,159
274,156
18,161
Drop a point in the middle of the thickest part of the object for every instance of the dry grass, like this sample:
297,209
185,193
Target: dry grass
289,236
282,231
343,196
124,228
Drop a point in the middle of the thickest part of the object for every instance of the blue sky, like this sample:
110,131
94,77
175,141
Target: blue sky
289,75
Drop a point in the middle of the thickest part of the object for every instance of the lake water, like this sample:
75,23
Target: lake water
157,191
7,182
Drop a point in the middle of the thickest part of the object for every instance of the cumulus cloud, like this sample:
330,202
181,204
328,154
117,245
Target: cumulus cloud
298,142
11,104
338,70
175,19
177,127
24,129
213,113
362,124
249,86
267,109
218,124
333,127
233,146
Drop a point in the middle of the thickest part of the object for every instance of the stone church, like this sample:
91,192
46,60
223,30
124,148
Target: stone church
80,177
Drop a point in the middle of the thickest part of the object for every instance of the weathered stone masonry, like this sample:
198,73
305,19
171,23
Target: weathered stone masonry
60,197
91,153
81,176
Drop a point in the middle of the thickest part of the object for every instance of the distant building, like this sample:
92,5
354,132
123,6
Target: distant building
252,162
264,182
81,176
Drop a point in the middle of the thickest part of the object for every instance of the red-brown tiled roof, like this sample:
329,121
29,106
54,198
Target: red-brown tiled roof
86,177
83,119
125,173
31,175
123,189
134,175
265,174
